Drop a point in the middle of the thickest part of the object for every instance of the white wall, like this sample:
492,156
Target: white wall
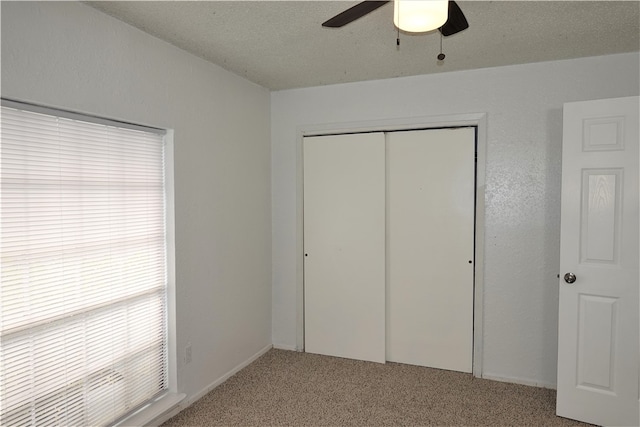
522,243
68,55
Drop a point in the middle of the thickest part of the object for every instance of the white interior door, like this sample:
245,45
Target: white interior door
431,187
598,313
344,244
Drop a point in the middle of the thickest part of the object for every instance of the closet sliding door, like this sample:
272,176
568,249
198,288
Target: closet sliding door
389,246
430,247
344,245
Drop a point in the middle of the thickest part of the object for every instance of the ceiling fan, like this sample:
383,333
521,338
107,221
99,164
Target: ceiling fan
455,22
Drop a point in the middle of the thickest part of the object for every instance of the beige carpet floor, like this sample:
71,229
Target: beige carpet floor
286,388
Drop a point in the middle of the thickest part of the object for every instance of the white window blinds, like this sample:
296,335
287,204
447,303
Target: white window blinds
83,294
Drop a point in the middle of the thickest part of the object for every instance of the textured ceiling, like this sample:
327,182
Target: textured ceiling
281,44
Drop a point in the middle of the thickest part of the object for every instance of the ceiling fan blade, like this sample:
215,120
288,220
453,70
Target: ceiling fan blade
456,22
353,13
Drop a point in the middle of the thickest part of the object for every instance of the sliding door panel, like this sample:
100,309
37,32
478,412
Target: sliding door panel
344,245
430,244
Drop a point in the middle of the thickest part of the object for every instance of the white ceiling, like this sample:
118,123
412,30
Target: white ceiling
281,44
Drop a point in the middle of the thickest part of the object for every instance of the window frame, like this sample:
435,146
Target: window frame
170,398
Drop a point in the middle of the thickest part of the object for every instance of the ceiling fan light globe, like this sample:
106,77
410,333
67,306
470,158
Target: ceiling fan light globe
417,16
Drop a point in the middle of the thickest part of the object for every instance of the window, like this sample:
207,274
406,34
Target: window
83,299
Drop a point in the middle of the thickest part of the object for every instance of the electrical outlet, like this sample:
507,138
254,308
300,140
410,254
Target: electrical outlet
187,353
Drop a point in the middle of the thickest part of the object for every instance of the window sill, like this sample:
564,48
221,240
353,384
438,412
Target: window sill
152,410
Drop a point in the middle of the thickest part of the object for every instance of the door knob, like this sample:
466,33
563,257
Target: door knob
569,277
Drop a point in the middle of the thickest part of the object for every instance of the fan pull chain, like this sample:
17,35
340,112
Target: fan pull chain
441,55
398,27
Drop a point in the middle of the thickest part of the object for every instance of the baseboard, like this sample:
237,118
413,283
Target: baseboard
197,396
285,347
522,381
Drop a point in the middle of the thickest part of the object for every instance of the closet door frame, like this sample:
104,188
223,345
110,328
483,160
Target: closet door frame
477,120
